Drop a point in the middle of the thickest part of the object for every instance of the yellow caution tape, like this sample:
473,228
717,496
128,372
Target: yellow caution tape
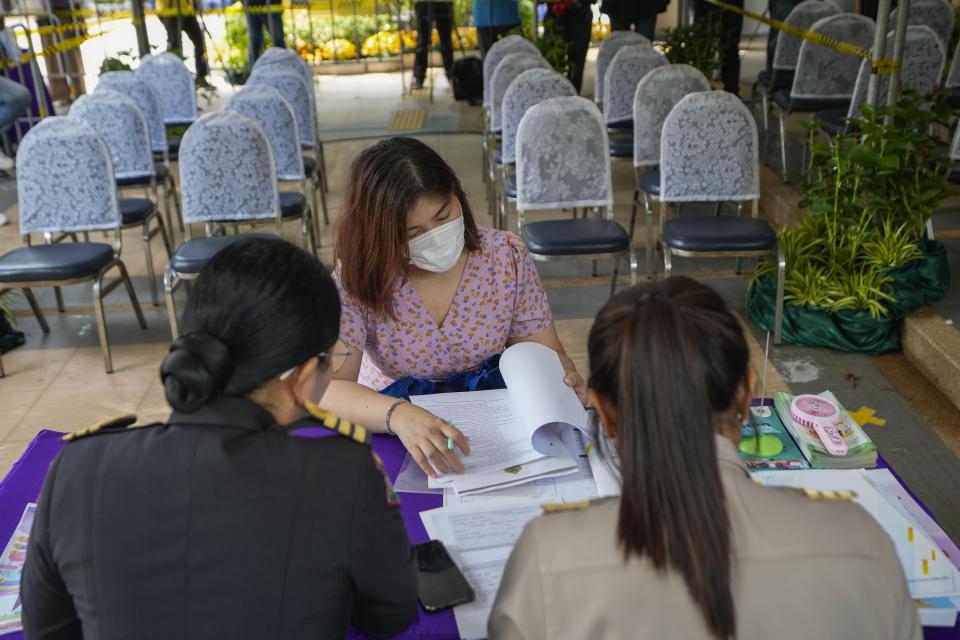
884,66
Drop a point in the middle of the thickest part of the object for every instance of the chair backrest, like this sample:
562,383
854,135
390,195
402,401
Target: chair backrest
953,76
936,14
146,97
290,61
804,16
827,73
656,95
626,70
563,156
709,151
923,58
529,88
294,88
608,48
227,170
275,115
122,126
497,52
506,72
65,178
166,73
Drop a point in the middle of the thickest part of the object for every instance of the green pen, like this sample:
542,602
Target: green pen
450,444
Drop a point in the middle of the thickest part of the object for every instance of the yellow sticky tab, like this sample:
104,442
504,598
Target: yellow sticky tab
926,569
910,534
933,554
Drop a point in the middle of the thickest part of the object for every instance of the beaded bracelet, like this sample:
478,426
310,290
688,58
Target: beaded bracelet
386,420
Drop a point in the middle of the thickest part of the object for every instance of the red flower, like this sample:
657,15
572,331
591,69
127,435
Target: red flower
902,187
864,195
936,89
923,150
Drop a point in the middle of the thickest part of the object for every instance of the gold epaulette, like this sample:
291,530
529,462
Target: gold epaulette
335,423
813,494
113,424
572,506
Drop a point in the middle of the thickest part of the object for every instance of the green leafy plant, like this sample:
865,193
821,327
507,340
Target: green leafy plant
123,61
5,308
868,196
698,44
553,47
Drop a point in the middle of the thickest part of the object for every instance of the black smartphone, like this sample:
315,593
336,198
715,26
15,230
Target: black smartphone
441,585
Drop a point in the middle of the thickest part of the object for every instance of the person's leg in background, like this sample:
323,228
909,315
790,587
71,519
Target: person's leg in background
645,24
275,26
192,26
421,13
731,24
619,22
575,25
255,23
14,100
443,17
488,35
174,41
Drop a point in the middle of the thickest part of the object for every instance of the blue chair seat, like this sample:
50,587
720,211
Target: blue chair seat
723,233
309,165
173,144
292,204
650,182
575,237
623,123
782,100
193,254
775,80
135,210
621,147
62,261
831,120
158,167
510,186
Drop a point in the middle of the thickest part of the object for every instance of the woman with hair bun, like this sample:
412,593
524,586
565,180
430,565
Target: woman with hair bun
247,514
693,548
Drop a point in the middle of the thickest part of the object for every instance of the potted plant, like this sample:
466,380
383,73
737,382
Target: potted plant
859,260
121,62
9,338
697,44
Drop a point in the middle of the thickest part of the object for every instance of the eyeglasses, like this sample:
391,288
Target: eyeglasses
333,359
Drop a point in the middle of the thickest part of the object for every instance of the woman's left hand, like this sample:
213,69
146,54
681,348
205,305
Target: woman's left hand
579,386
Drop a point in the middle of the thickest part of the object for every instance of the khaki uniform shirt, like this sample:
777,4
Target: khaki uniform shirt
802,569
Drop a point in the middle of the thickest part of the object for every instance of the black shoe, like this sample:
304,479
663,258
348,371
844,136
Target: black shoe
416,84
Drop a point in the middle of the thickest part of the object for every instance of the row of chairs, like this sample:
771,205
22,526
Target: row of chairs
228,174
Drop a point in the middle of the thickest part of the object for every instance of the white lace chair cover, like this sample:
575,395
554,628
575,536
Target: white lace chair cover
65,178
923,58
497,52
291,86
122,126
563,156
275,115
657,93
953,76
276,63
505,73
936,14
227,170
145,96
288,57
626,70
708,150
529,88
608,48
827,73
166,73
804,16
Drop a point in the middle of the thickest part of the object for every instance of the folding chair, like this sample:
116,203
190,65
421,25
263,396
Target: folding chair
936,14
608,48
65,184
628,67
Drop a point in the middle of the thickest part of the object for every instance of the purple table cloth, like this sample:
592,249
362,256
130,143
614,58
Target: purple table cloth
25,479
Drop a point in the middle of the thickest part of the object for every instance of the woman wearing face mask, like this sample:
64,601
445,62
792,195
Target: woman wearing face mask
427,294
245,515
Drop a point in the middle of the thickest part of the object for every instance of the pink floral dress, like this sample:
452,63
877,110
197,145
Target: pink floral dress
500,297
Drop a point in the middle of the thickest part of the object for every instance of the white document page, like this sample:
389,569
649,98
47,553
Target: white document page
928,570
548,407
483,571
498,438
486,481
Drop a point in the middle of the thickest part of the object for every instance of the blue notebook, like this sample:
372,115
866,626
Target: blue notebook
763,418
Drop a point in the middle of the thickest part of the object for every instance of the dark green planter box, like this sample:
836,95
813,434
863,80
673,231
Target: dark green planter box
914,285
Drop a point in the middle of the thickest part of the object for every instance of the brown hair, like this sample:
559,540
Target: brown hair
669,357
384,183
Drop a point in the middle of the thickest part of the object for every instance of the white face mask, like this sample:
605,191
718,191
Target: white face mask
439,249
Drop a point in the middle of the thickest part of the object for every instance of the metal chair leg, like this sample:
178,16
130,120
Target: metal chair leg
613,277
58,295
28,294
2,374
101,321
323,176
170,281
632,255
778,314
783,146
667,265
148,256
131,294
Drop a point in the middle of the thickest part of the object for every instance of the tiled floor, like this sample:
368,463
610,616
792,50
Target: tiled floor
57,381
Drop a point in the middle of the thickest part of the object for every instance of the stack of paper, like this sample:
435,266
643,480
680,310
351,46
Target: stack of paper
11,569
525,432
861,452
931,575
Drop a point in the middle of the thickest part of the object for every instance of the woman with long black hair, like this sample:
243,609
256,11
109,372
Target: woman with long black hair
693,548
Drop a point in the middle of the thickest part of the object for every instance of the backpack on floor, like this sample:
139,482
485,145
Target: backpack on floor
468,80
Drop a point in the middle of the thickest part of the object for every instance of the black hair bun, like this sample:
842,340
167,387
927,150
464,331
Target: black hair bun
198,367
